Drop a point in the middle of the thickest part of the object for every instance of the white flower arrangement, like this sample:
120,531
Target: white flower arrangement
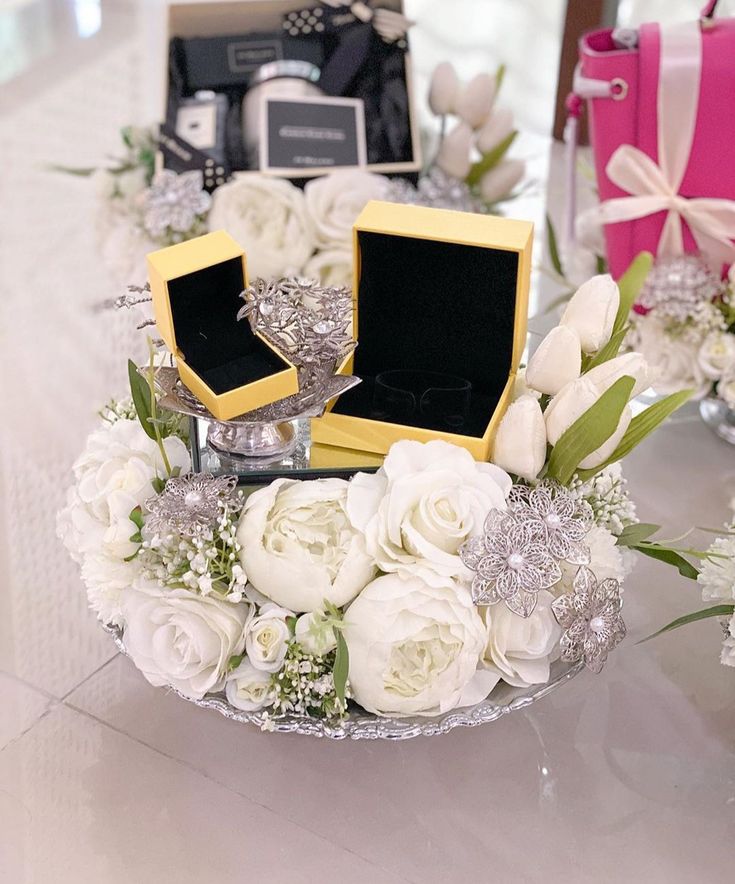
411,592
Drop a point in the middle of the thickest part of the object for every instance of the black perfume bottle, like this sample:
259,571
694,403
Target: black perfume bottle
201,122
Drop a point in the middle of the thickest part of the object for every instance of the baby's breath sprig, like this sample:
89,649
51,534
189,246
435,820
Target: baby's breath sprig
305,685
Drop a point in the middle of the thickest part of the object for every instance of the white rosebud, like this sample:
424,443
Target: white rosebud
631,364
591,311
454,153
500,180
444,89
495,130
571,403
267,638
475,102
717,354
520,443
315,634
557,360
248,688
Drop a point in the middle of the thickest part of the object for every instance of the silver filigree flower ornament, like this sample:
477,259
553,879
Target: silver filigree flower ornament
189,503
174,202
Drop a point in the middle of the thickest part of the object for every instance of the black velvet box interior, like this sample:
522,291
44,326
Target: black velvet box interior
223,351
435,307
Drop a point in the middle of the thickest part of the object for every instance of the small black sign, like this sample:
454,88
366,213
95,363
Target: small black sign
313,133
180,156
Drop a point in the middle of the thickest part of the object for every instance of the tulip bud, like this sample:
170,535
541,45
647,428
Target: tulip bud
454,153
633,365
495,130
520,443
591,311
499,181
444,89
556,362
571,403
475,102
521,388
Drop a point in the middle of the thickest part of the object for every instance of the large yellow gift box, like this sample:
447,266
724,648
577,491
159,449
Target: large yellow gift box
440,309
196,288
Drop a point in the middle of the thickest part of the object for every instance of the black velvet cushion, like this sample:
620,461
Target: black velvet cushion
433,306
222,351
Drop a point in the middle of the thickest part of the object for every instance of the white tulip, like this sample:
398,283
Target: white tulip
474,103
556,362
520,443
454,153
521,388
495,130
571,403
500,181
591,311
632,365
444,89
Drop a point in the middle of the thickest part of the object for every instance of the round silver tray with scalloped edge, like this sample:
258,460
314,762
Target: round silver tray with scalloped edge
361,725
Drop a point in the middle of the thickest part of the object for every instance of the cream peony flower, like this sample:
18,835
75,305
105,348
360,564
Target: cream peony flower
269,218
300,547
673,359
520,443
422,505
332,267
181,639
334,202
520,649
248,688
267,638
716,356
414,648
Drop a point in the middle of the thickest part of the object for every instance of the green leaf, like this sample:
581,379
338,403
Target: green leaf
291,623
73,170
600,264
589,431
633,534
630,284
490,159
140,391
234,661
136,517
642,425
610,350
553,246
669,556
341,666
704,614
158,484
499,77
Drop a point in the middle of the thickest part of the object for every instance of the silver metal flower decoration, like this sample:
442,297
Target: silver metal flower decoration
591,620
189,503
558,516
174,202
677,285
436,189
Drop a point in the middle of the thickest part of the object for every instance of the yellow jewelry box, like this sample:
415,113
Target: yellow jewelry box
434,291
196,288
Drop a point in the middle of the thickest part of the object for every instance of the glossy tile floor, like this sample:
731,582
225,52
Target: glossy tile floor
622,778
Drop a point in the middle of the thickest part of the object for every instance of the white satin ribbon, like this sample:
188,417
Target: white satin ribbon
655,188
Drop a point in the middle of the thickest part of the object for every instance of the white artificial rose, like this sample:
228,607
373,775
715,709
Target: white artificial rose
315,634
557,360
717,354
673,358
299,547
591,311
453,156
248,688
607,560
520,649
178,638
726,389
267,638
571,403
444,89
334,202
632,365
105,578
520,442
498,182
474,103
495,130
421,506
269,219
332,267
414,648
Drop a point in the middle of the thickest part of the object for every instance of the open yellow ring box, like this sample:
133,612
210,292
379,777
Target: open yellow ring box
434,291
196,288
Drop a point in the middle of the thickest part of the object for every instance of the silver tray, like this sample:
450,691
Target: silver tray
361,725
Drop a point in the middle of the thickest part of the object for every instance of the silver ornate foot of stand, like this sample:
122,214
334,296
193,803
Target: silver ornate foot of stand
269,440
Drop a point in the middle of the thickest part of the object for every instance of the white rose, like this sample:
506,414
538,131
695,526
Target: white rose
315,634
453,156
334,202
181,639
444,89
422,505
571,403
520,649
248,688
717,354
266,641
557,360
726,389
607,560
332,267
632,365
300,547
495,130
498,182
520,443
268,217
105,578
591,311
474,103
673,358
414,649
